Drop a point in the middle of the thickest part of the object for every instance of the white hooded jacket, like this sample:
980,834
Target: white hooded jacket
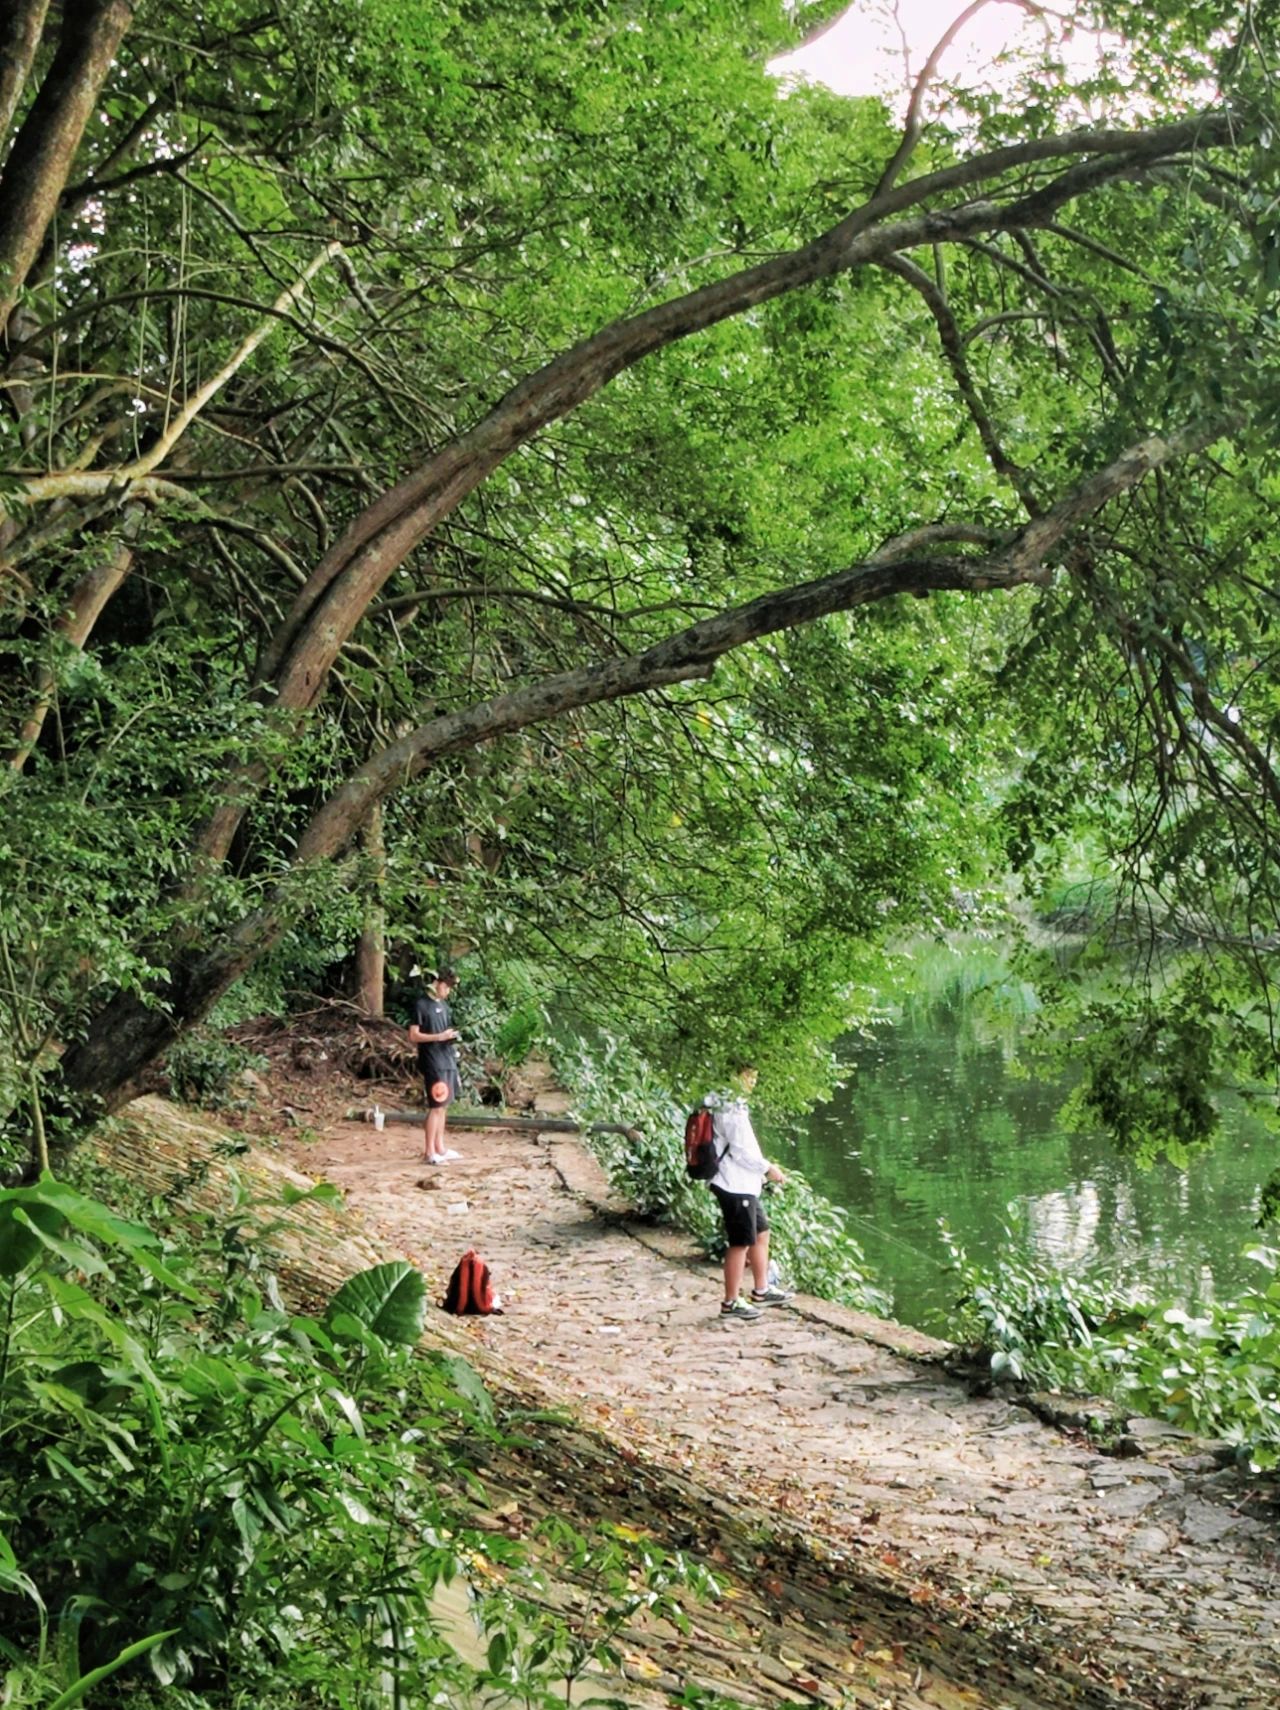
743,1165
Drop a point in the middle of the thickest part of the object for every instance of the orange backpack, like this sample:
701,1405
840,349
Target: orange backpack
470,1290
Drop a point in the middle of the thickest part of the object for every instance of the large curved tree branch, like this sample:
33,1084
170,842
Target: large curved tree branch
692,652
295,667
379,540
131,1033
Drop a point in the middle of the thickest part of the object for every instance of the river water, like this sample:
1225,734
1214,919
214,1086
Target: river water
937,1121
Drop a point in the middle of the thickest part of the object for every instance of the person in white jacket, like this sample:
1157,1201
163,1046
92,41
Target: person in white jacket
740,1175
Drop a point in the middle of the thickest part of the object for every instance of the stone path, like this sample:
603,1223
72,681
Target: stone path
1158,1577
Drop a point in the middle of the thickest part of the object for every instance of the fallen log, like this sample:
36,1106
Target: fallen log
484,1119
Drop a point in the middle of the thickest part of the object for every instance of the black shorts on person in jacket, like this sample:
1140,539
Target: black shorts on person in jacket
744,1216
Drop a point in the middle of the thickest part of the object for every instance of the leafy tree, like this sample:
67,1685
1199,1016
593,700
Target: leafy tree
393,394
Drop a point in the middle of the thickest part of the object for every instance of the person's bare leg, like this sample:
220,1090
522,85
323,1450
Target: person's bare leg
433,1133
758,1256
735,1263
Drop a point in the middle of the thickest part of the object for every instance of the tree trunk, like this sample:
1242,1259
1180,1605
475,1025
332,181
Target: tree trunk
20,32
119,1055
371,947
35,173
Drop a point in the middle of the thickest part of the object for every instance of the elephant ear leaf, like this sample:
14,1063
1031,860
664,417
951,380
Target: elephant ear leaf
389,1300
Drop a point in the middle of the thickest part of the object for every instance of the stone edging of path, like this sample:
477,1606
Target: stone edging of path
583,1177
1123,1434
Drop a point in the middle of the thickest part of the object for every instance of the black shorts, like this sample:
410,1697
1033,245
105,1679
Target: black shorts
442,1088
744,1216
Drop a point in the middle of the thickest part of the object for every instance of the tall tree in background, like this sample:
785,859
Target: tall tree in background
456,371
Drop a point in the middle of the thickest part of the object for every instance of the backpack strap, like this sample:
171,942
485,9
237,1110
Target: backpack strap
720,1156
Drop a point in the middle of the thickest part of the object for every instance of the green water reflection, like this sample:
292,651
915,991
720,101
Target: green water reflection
934,1123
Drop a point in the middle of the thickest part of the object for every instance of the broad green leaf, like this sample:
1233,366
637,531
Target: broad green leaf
59,1463
91,1216
355,1508
78,1304
163,1273
390,1300
349,1409
74,1254
460,1377
20,1214
325,1193
12,1576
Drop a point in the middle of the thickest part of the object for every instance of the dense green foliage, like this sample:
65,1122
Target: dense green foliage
1215,1371
248,1504
516,481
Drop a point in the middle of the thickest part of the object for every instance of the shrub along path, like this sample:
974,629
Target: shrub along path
946,1549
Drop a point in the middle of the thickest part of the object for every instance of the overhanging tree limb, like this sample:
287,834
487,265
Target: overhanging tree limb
353,572
692,652
132,1032
349,577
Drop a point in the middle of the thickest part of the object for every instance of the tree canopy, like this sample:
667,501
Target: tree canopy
525,461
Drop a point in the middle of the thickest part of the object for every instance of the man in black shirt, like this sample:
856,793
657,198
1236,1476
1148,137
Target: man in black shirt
433,1032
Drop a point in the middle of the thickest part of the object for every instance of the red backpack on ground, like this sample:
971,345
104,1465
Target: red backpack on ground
470,1289
701,1160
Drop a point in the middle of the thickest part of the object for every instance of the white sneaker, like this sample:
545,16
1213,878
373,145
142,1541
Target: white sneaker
436,1158
449,1153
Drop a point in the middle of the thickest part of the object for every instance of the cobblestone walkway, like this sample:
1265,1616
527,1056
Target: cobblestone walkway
1158,1576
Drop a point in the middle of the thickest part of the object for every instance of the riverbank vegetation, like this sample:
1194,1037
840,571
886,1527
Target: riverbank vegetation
209,1497
1143,1283
1213,1370
812,1241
